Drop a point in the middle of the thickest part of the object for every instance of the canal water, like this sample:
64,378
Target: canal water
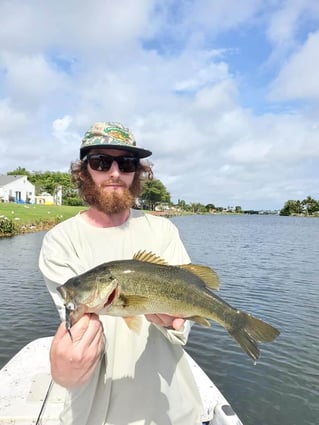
268,266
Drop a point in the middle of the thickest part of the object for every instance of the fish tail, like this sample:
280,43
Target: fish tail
249,331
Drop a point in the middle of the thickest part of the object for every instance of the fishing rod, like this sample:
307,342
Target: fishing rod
38,422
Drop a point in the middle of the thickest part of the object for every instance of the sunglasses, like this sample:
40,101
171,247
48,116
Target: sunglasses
103,162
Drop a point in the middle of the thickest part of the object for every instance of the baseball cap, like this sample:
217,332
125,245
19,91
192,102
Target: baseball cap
111,135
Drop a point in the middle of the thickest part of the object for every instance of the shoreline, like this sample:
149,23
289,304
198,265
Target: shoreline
9,228
25,229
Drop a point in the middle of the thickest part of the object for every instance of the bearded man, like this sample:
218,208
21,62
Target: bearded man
113,375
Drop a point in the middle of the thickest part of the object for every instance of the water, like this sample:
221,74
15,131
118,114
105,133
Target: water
268,266
26,310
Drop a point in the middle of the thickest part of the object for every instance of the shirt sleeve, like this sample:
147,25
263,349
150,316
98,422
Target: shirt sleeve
58,262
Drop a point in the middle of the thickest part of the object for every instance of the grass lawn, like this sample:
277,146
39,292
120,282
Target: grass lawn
28,213
25,218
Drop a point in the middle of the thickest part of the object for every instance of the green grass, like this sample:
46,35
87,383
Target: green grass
19,218
28,214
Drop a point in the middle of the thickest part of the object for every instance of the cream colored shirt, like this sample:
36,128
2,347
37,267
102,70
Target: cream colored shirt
142,379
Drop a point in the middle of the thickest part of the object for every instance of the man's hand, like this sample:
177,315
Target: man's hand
74,360
166,321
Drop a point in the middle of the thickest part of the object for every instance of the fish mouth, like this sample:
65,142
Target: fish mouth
110,298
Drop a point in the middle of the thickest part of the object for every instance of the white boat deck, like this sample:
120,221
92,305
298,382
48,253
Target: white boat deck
24,384
29,396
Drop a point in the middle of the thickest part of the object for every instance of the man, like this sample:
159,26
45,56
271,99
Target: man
113,375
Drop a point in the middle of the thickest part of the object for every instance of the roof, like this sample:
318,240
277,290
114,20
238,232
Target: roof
4,180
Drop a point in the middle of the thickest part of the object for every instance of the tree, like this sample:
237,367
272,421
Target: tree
19,172
182,205
153,192
308,206
210,207
290,207
311,205
198,208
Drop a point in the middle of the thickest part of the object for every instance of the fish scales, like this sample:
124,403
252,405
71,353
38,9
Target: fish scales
165,282
146,284
166,288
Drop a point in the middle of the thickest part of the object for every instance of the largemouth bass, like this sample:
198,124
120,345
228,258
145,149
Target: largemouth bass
148,285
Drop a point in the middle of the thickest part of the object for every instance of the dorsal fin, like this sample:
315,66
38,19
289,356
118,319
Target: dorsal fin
205,273
149,257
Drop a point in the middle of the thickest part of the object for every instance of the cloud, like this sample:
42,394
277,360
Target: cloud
286,22
72,27
10,119
168,71
297,78
30,80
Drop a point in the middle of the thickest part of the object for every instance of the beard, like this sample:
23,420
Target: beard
105,200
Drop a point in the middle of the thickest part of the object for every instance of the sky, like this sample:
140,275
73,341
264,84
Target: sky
225,93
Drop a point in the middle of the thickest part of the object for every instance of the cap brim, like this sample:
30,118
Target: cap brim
139,152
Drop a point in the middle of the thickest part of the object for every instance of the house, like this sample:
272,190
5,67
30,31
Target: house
16,189
44,199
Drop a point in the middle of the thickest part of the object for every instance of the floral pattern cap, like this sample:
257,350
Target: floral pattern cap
112,135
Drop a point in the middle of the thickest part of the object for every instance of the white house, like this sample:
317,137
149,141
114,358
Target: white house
16,189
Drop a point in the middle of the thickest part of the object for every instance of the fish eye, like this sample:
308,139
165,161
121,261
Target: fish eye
70,306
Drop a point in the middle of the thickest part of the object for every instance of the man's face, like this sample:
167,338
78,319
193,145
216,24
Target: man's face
108,191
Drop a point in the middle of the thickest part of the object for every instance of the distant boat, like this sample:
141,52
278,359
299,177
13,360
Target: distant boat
28,394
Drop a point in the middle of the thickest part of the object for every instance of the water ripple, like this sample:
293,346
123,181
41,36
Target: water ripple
268,266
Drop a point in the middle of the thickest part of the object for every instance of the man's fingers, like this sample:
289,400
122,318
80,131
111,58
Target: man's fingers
79,329
178,323
61,331
74,360
166,321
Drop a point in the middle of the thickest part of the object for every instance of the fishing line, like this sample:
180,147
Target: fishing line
44,403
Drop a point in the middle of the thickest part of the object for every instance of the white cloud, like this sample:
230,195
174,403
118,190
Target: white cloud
285,22
60,127
89,26
10,119
31,79
164,69
297,78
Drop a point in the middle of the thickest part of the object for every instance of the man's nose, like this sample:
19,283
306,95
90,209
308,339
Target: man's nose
114,170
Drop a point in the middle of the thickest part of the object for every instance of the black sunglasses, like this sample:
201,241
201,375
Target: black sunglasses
103,162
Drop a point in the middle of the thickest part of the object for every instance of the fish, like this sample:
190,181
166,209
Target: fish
147,284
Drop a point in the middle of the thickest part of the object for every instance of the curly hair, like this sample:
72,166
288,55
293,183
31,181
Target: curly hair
79,174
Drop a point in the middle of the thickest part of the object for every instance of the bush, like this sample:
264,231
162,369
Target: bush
73,202
7,227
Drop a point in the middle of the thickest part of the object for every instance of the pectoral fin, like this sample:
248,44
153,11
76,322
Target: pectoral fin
133,302
134,323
